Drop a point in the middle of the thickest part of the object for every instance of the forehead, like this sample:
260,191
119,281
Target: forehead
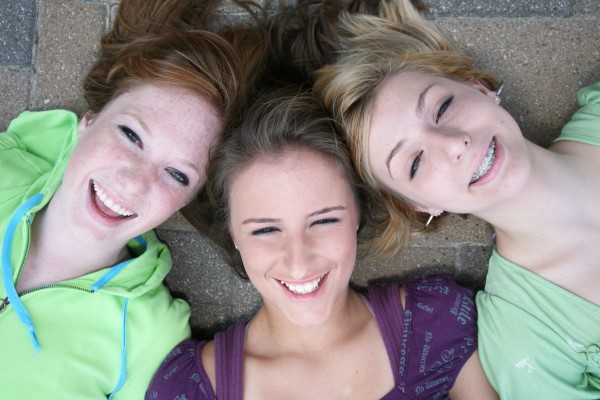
297,176
401,92
167,111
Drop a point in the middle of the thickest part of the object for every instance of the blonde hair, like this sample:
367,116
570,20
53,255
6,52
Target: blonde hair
370,50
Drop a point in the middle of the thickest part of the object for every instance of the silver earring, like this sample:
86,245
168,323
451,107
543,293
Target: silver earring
498,91
436,213
235,245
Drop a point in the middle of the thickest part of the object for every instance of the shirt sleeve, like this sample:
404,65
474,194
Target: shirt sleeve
584,126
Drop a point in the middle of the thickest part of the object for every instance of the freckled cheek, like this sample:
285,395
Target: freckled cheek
164,202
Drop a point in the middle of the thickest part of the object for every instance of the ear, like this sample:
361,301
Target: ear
483,89
87,119
424,210
427,210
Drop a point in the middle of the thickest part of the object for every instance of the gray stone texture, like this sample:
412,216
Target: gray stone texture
499,8
587,7
15,86
69,35
17,32
543,50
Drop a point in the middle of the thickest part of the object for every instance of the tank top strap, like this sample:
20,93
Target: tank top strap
229,362
387,308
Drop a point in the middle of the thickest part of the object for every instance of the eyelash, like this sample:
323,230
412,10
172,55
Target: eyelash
270,229
132,136
414,167
179,176
325,221
264,231
443,108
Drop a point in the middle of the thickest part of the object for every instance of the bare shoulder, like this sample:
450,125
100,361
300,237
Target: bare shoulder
471,382
208,362
402,294
577,149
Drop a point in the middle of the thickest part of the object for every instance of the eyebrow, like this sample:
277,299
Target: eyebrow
148,131
140,121
271,220
259,220
419,110
326,210
395,150
421,101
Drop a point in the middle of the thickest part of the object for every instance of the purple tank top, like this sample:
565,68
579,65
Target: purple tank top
427,344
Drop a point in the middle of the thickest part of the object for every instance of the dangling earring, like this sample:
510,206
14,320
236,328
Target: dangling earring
436,213
498,91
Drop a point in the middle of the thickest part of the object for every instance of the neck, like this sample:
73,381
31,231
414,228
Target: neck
537,214
56,255
270,332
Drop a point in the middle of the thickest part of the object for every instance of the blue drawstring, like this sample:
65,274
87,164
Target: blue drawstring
9,286
21,311
114,270
123,373
99,284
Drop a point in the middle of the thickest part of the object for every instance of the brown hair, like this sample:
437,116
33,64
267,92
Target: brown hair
164,42
277,120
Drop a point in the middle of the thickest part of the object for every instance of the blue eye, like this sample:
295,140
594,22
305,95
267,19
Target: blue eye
443,108
264,231
132,136
415,165
179,176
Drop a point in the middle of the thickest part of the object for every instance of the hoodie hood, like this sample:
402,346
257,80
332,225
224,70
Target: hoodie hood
36,147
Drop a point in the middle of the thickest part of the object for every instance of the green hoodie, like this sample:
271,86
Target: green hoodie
86,338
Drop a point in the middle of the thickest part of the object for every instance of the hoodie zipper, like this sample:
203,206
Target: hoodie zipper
4,303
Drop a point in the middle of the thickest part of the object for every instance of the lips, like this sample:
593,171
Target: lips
107,206
486,163
305,287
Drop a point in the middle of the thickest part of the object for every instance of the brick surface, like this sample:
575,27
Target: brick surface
589,8
499,8
69,38
542,62
17,32
15,85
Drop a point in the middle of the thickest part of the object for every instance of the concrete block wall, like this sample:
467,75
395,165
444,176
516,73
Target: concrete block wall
544,51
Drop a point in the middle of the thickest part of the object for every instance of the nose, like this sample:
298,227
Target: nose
452,143
136,179
299,257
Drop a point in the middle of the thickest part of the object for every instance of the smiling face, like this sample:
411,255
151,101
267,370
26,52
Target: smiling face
137,162
445,145
294,221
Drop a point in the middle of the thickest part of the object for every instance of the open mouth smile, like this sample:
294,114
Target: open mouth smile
486,163
107,206
303,288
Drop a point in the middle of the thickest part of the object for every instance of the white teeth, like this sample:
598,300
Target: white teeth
304,288
108,202
486,163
